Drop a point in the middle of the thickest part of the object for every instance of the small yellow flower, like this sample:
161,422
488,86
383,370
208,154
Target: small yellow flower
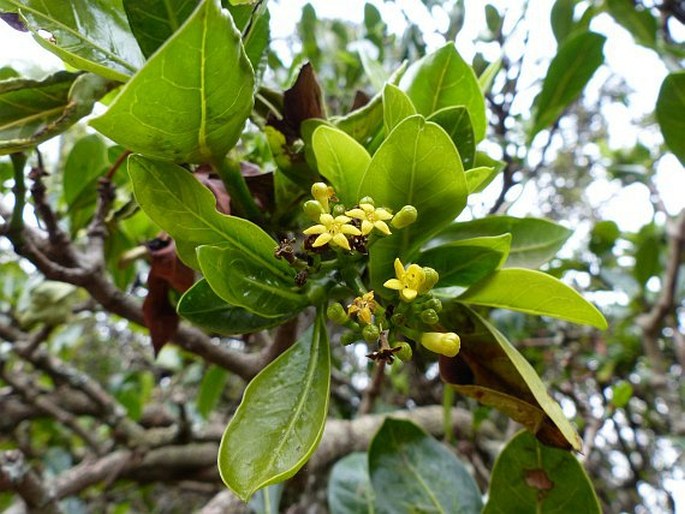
363,306
333,230
409,281
371,217
444,343
322,193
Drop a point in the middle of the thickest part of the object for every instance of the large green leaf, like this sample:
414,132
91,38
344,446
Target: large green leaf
416,165
489,369
238,279
412,472
457,123
341,160
669,112
561,19
191,99
203,307
32,111
91,35
281,418
349,488
530,478
571,69
535,293
636,19
396,107
184,208
534,241
154,21
464,262
443,79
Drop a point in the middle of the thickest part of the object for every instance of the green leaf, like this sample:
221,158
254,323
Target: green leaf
184,208
637,20
561,19
669,108
457,123
154,21
486,78
341,160
533,241
203,307
412,472
86,163
238,279
533,292
396,107
489,369
32,111
464,262
443,79
91,35
211,389
529,477
621,392
479,178
191,99
281,418
571,69
374,70
349,488
416,165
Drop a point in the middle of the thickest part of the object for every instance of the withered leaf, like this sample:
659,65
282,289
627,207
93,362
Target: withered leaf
538,479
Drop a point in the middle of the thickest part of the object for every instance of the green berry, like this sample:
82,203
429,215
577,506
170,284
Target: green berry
348,338
371,333
405,352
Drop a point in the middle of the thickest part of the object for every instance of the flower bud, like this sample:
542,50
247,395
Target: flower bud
371,333
336,313
367,199
313,209
429,317
433,303
431,278
322,192
404,217
347,338
404,353
338,210
444,343
398,318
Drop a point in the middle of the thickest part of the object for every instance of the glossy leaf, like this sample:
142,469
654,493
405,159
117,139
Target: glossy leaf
281,417
669,108
571,69
489,369
636,19
561,19
91,35
416,165
191,99
184,208
349,488
457,123
154,21
534,241
529,477
396,107
203,307
479,178
210,390
32,111
443,79
464,262
236,278
341,160
412,472
533,292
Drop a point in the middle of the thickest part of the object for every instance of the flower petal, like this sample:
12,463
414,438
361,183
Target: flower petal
315,229
340,240
393,283
350,229
399,268
356,213
408,294
322,239
381,226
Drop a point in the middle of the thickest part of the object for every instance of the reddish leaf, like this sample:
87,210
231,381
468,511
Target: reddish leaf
214,183
260,184
166,272
301,102
360,100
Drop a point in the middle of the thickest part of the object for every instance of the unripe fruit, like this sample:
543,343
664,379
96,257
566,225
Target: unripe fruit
371,333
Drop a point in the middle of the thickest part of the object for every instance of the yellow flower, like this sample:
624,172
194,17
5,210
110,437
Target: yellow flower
371,218
363,307
409,281
444,343
333,230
